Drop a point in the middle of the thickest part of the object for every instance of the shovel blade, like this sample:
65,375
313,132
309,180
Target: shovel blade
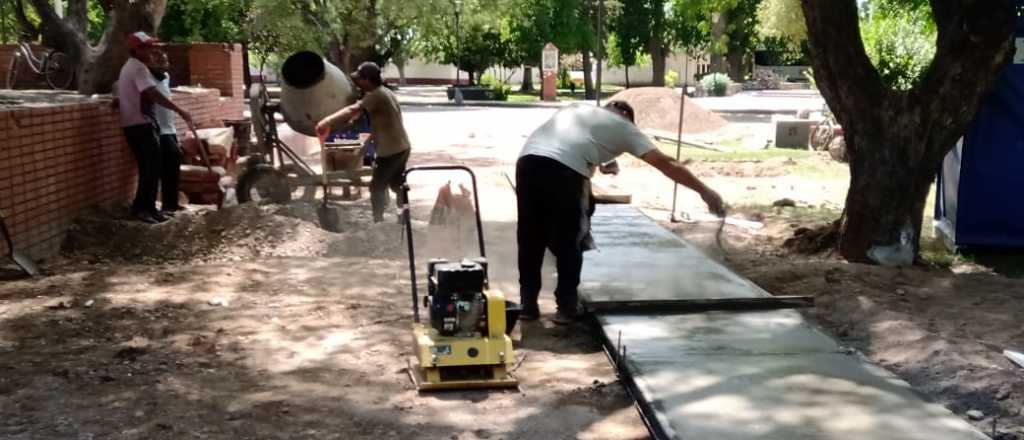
25,263
329,220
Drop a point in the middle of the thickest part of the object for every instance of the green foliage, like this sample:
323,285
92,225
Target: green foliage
716,84
778,51
203,21
899,41
782,19
630,31
564,79
500,92
671,77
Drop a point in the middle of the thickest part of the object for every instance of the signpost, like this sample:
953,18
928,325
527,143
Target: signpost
549,72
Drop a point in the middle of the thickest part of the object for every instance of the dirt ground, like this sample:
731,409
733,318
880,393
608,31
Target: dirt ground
252,322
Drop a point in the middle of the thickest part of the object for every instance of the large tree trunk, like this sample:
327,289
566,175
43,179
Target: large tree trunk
588,83
627,76
737,66
658,52
717,60
99,64
897,139
400,64
527,85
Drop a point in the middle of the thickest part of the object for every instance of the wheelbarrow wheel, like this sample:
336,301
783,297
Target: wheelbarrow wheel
264,184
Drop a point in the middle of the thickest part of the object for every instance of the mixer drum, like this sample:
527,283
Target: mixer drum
311,89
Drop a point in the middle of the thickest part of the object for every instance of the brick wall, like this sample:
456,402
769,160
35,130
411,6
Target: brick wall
217,66
57,160
177,54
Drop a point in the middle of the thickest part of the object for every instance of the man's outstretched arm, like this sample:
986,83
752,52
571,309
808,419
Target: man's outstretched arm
678,173
343,116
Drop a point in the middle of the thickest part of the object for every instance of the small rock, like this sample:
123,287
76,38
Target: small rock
901,292
784,203
975,415
218,302
139,413
89,303
1004,392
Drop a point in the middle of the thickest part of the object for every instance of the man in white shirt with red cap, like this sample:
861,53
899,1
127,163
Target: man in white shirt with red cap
137,92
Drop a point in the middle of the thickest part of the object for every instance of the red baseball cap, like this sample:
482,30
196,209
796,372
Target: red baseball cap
140,39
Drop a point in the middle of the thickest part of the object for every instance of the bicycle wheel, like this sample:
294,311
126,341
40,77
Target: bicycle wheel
12,72
58,70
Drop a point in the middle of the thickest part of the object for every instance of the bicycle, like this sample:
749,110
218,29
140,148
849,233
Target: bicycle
55,66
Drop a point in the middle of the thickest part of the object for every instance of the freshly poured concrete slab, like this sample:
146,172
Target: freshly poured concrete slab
638,260
767,375
788,397
668,337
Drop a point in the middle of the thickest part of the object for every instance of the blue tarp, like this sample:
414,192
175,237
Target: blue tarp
979,198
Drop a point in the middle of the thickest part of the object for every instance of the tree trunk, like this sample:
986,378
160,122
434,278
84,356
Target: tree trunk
658,52
718,61
897,139
627,76
98,65
401,73
588,83
527,85
737,66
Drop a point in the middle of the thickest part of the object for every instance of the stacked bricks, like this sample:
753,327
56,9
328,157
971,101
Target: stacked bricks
57,160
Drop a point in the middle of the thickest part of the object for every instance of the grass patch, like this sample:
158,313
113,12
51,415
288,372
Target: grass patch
523,97
807,163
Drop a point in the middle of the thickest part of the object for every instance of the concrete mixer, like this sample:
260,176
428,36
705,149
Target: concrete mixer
311,89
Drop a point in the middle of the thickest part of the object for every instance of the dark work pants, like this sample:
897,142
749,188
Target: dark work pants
170,170
553,202
145,144
387,174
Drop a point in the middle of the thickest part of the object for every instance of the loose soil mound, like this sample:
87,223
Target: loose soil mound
236,233
657,108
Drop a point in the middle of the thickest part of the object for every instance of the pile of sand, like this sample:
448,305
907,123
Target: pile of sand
657,108
236,233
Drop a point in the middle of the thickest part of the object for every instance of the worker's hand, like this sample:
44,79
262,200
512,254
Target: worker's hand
610,168
714,201
323,129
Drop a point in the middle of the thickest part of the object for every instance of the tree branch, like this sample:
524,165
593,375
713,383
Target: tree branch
77,15
842,69
28,30
975,43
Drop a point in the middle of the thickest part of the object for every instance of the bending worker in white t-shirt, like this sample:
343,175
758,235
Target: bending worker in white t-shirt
553,193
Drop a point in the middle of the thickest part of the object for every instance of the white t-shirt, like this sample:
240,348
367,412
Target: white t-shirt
582,137
164,116
134,79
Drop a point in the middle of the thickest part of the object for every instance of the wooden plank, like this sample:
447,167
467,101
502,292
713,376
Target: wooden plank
654,307
602,196
666,137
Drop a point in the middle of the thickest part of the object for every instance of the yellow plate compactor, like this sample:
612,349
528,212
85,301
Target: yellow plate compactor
465,342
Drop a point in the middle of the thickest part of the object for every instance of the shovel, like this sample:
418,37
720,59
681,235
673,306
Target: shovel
23,261
327,215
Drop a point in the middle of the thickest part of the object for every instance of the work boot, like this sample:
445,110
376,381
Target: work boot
566,317
529,313
146,217
160,218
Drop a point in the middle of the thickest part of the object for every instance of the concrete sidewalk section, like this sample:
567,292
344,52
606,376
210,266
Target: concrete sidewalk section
739,375
638,260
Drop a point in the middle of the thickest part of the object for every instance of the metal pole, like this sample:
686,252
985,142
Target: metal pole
458,45
600,45
679,133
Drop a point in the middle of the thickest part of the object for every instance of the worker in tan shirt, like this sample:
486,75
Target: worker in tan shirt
386,128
